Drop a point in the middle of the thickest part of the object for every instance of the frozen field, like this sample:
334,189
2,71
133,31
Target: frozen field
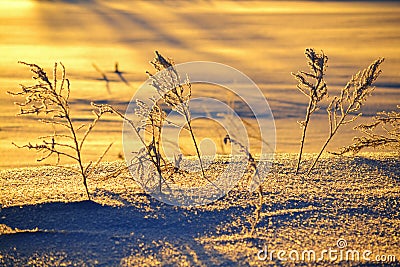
46,221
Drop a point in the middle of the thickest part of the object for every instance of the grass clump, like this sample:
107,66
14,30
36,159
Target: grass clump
345,108
312,85
389,136
49,100
151,151
174,93
342,109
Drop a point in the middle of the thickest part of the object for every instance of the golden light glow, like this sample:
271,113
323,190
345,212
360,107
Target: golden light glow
18,6
265,40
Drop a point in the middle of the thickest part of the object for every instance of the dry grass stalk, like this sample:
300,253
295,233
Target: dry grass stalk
49,99
390,125
312,85
152,124
175,94
349,103
253,173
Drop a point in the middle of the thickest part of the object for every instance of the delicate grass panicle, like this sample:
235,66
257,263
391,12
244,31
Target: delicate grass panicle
174,93
151,151
49,101
389,136
312,85
152,122
345,108
253,174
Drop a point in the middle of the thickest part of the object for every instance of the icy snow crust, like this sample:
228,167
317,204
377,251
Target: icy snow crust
46,221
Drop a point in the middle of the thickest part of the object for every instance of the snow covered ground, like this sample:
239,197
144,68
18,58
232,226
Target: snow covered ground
347,204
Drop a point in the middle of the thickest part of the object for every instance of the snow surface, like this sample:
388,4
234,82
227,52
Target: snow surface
45,219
